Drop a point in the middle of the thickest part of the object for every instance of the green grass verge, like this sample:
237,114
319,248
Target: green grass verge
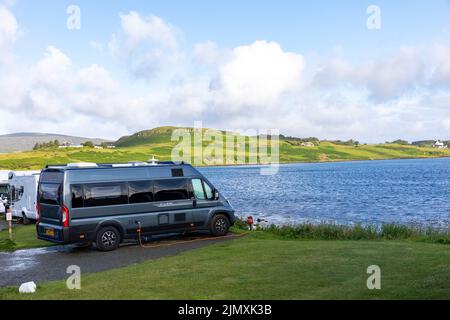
340,232
256,268
24,237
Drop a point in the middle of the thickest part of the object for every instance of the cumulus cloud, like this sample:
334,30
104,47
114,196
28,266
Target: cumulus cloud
385,78
259,73
138,29
145,44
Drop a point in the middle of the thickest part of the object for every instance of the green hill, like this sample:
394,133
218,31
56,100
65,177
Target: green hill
153,136
157,142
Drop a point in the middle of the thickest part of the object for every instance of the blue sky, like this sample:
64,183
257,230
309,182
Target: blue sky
318,57
300,26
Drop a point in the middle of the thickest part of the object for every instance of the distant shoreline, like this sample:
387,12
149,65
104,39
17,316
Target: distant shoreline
280,163
317,162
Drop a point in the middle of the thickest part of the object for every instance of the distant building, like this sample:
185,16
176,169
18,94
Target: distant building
65,146
439,145
307,144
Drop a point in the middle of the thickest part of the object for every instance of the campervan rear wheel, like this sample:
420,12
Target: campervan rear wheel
220,224
108,239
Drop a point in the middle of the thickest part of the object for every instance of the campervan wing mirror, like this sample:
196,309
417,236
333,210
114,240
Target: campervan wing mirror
216,195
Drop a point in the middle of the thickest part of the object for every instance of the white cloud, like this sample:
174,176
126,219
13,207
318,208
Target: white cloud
393,76
260,73
154,29
146,45
385,78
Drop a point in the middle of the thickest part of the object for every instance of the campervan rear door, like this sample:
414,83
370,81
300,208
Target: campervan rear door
50,196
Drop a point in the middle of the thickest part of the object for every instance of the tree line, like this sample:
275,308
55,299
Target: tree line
56,144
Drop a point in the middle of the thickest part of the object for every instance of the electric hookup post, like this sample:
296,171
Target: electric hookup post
9,219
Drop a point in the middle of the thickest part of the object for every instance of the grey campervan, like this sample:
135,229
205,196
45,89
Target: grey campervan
107,204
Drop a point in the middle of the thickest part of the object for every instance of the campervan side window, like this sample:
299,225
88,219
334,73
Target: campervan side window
105,194
197,186
171,190
77,196
208,191
49,193
140,192
202,190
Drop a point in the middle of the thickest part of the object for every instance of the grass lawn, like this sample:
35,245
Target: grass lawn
24,237
266,267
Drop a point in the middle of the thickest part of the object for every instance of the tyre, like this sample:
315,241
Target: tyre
220,224
108,239
25,220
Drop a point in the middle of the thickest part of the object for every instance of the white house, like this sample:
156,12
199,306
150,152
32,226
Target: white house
439,145
308,144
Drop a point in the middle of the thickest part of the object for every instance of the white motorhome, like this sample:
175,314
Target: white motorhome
4,190
4,195
23,190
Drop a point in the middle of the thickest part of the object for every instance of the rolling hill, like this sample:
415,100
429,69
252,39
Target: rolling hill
157,142
26,140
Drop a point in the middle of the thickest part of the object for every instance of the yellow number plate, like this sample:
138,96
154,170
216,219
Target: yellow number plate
50,232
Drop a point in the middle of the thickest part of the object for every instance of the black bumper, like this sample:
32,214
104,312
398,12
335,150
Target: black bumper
71,235
61,235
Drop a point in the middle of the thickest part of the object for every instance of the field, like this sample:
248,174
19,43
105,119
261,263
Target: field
265,267
157,142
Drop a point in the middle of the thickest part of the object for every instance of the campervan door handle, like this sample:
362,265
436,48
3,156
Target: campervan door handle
194,202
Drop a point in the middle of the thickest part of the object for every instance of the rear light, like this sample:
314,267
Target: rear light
38,212
65,216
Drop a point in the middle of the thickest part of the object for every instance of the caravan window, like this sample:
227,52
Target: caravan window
4,190
49,193
16,193
171,190
140,191
77,196
105,194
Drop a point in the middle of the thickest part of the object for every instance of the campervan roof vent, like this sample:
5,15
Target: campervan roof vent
82,165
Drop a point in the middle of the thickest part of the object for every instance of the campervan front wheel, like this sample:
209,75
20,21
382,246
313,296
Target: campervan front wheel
108,239
220,224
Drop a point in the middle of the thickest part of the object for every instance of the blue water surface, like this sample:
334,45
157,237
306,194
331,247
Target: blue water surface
367,192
